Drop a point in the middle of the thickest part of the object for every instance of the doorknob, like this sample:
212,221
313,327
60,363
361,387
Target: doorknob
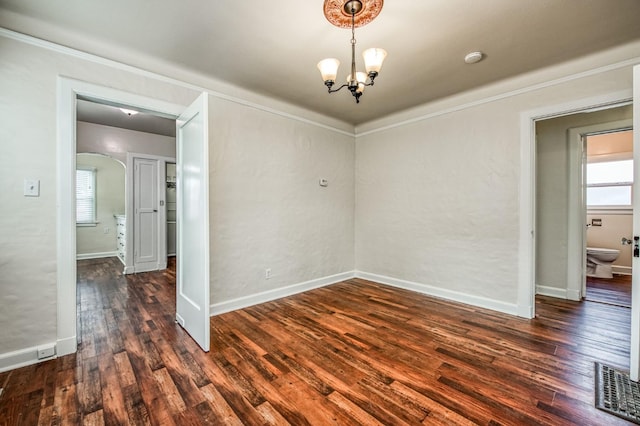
155,210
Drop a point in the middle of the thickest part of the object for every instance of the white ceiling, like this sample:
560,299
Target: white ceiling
272,47
108,115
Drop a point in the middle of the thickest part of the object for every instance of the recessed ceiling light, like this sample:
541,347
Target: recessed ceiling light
129,112
473,57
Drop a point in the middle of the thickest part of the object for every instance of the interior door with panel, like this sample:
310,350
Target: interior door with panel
192,275
145,227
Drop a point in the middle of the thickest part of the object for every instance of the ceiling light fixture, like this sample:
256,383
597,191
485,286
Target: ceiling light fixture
474,57
373,58
129,112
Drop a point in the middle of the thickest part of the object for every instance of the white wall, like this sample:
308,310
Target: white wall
267,207
292,149
116,142
437,187
100,240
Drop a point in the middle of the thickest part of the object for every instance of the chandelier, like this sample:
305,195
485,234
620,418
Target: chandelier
344,15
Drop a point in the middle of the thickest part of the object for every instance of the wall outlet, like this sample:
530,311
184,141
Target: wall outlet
31,188
106,230
46,351
267,273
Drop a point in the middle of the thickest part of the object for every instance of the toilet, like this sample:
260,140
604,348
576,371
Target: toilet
599,261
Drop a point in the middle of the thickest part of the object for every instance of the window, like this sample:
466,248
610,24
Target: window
86,197
609,183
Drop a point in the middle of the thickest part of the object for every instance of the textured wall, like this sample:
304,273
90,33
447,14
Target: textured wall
267,208
437,199
109,201
437,203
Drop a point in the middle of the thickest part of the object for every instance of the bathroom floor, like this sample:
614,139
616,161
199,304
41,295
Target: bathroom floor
615,291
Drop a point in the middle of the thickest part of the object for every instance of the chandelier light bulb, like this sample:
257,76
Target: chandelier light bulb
373,59
329,69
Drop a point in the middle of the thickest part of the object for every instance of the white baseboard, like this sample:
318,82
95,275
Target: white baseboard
621,270
560,293
85,256
267,296
67,346
22,358
482,302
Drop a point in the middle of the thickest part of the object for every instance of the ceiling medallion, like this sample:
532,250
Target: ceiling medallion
335,12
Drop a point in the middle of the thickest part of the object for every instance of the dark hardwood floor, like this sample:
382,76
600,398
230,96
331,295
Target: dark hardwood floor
614,291
355,352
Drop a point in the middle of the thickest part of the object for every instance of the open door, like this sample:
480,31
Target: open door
635,260
192,169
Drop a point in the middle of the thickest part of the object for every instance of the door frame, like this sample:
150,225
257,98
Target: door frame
68,90
577,243
162,210
527,231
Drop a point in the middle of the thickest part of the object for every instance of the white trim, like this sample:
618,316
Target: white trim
634,368
526,245
67,91
22,358
557,292
621,270
622,211
526,237
66,346
148,74
278,293
85,256
455,296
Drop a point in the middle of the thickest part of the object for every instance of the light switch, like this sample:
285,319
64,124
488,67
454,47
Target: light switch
31,188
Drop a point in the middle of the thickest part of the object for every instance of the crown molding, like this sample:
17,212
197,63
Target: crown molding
489,99
90,57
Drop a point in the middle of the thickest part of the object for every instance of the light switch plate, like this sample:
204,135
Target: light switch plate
31,188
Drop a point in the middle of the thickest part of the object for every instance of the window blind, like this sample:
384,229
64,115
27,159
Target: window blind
85,196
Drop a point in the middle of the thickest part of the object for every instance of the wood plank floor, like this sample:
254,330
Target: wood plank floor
352,353
614,291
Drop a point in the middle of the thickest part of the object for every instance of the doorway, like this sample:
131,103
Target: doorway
608,181
560,210
69,92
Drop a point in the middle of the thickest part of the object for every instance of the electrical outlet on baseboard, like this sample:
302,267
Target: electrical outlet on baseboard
46,351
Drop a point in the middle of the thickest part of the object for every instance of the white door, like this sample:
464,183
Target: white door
192,275
145,203
635,261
